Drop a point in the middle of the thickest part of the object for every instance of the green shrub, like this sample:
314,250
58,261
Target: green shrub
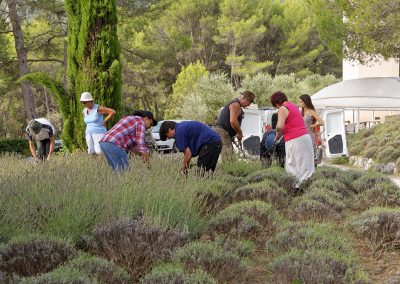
368,181
331,185
175,274
313,253
246,218
32,256
276,174
214,193
318,204
100,269
379,225
267,190
370,152
310,209
14,145
241,168
381,194
64,275
241,247
340,160
307,236
355,150
133,244
388,154
84,269
316,266
223,265
345,177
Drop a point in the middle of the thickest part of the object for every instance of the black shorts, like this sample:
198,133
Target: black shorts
208,156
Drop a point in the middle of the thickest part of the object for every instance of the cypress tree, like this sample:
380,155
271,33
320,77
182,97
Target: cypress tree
93,58
93,65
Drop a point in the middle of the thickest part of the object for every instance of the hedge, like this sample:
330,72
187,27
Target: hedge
14,145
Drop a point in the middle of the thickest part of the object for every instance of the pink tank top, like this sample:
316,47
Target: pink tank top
294,125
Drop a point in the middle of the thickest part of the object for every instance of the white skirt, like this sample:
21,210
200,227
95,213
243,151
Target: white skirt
300,158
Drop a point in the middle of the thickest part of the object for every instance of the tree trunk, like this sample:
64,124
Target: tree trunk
29,104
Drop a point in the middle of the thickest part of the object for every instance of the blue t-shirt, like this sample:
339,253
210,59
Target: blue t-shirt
94,121
193,134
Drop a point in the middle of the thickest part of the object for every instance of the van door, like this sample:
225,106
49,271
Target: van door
252,131
335,133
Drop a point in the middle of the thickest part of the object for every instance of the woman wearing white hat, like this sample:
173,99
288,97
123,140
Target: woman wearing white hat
95,122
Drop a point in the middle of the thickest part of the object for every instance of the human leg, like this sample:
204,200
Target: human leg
90,143
43,148
227,153
208,156
116,157
96,140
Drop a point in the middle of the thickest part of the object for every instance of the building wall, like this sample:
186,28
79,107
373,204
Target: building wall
382,68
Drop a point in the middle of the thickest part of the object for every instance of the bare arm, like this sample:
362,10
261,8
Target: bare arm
146,158
106,111
187,156
283,113
52,143
32,149
318,119
235,110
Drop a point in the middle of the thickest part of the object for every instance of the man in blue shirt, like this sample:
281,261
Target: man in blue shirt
194,139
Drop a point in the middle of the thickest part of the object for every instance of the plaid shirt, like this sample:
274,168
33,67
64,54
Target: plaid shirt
127,134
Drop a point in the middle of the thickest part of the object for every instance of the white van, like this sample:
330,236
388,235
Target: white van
253,127
333,133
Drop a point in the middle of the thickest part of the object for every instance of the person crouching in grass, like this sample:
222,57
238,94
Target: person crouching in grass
194,139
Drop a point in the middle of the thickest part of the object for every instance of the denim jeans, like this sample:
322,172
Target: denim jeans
116,157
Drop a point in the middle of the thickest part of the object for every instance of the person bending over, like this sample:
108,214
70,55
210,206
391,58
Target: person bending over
194,139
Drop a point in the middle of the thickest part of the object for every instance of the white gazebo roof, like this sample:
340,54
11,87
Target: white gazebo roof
375,93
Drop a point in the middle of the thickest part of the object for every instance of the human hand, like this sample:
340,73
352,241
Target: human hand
104,123
183,172
239,136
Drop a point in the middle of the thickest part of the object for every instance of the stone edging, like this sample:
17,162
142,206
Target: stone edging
366,164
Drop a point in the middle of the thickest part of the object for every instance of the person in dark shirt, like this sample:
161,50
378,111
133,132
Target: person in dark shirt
229,122
269,151
42,131
194,139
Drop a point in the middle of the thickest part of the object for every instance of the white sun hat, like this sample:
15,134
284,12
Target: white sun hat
86,97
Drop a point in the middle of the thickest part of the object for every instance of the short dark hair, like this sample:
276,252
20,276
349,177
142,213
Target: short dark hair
145,113
164,128
278,98
249,95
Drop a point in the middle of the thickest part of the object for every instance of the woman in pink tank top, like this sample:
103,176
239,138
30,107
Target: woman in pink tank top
298,144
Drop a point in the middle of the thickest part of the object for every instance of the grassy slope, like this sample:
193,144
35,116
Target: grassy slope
381,143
